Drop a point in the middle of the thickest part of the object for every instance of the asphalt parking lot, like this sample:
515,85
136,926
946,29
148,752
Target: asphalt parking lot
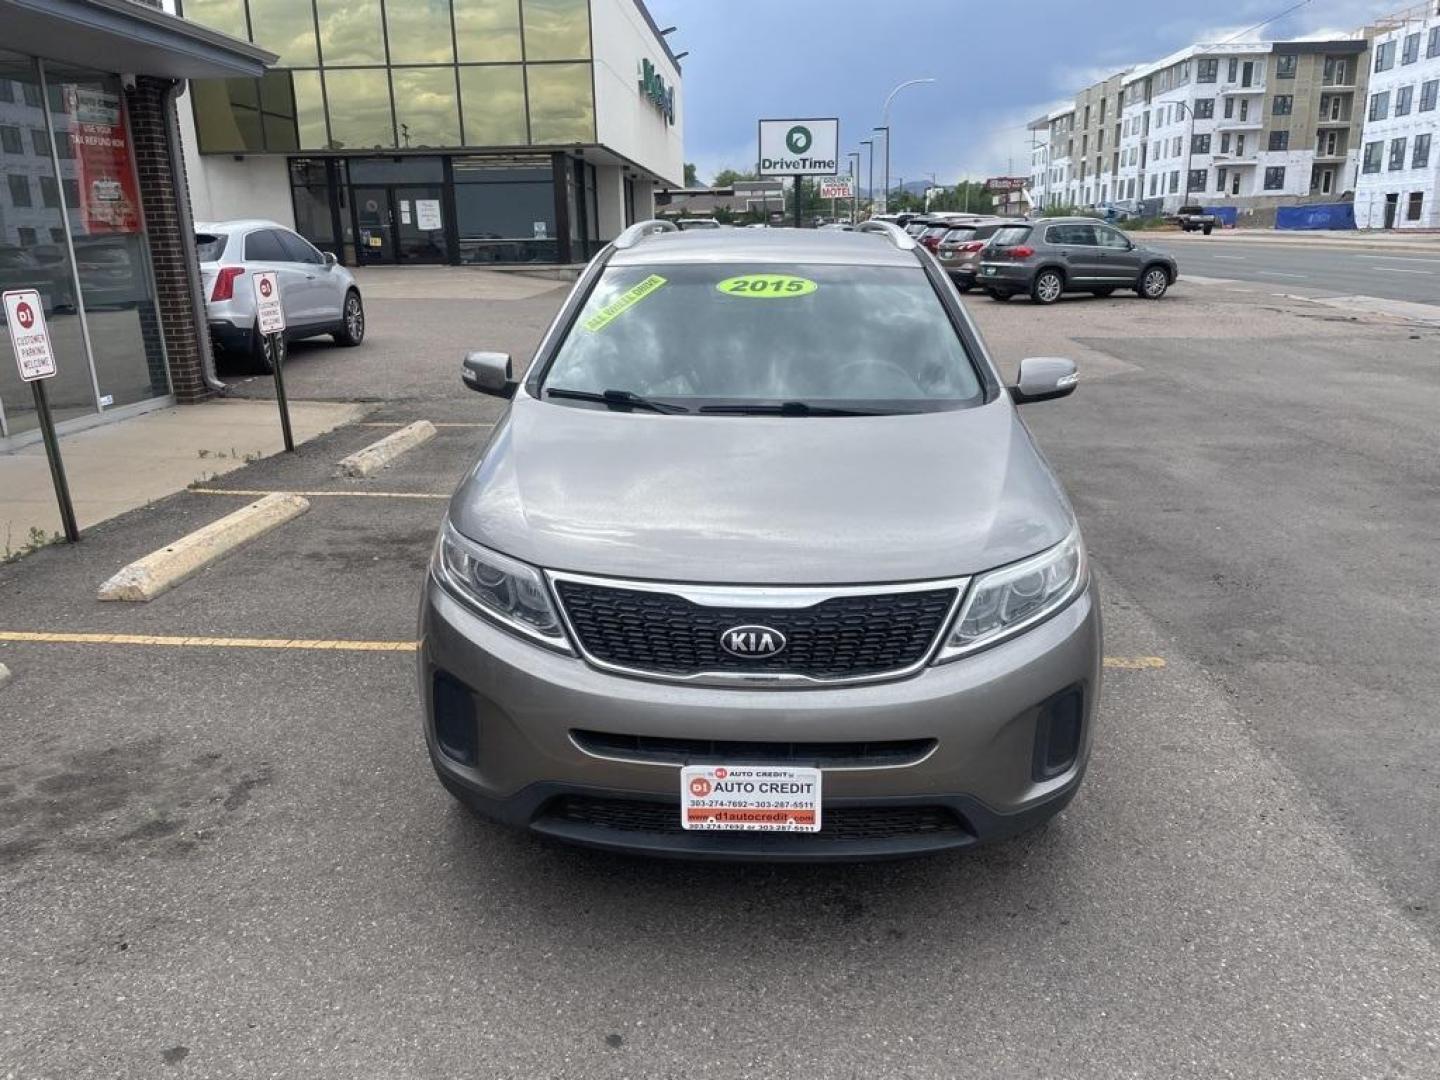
223,853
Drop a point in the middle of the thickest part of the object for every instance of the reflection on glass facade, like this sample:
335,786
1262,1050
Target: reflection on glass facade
367,74
426,109
494,102
286,27
76,238
488,31
419,32
562,109
351,31
360,116
557,30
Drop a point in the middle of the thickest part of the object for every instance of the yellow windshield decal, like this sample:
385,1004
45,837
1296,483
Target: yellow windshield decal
767,286
623,303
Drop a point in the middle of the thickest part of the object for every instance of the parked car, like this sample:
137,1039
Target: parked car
1058,255
1193,219
319,296
760,664
698,223
960,250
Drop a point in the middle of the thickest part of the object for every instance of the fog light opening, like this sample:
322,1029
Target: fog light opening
454,719
1058,729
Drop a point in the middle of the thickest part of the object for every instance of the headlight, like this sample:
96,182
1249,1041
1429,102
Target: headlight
1004,602
506,590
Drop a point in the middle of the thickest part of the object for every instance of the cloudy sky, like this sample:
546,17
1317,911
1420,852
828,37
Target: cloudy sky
996,65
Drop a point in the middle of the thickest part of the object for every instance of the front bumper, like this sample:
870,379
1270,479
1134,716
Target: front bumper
520,704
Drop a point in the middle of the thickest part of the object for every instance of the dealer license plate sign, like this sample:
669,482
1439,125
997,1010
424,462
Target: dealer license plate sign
746,798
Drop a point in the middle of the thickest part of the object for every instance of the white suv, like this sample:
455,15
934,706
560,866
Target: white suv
319,295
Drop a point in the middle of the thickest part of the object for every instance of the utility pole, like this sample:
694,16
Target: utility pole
870,184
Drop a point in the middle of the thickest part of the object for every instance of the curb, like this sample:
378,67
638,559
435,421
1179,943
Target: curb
162,570
378,455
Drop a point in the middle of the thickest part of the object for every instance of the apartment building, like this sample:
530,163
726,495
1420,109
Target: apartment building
1059,186
1252,124
1039,161
1399,179
1097,141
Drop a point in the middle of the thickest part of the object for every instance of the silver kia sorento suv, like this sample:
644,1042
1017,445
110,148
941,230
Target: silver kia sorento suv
761,563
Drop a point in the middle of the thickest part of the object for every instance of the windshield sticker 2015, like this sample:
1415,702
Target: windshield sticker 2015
767,286
623,303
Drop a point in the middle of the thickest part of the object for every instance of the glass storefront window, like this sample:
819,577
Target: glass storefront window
102,202
557,30
350,32
32,258
426,110
286,27
505,210
360,116
562,103
420,32
227,16
493,99
487,31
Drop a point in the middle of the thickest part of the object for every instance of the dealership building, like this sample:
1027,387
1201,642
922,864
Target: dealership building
438,131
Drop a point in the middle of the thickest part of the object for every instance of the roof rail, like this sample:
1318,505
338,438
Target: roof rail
641,229
896,235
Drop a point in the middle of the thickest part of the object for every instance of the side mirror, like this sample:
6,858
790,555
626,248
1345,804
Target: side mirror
1043,378
330,259
489,373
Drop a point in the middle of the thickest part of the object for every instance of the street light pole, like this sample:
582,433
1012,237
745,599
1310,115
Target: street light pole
854,156
885,117
885,191
870,184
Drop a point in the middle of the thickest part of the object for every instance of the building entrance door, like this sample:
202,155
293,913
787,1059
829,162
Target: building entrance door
400,223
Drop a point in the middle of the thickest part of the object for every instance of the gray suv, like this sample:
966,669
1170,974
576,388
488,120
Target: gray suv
1052,257
761,563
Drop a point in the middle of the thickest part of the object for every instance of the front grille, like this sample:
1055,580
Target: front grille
843,637
832,755
843,825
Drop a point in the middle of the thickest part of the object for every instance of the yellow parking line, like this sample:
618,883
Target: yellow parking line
247,493
1134,663
175,641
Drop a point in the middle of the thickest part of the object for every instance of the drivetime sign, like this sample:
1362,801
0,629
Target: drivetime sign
268,309
799,147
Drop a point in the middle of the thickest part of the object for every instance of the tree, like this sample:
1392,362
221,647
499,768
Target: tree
727,177
691,180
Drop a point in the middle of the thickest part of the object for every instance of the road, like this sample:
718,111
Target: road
228,860
1311,269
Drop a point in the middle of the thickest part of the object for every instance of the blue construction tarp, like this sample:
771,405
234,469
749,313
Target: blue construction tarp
1326,216
1227,215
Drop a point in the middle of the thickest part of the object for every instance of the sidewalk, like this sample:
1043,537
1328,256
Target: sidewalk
1424,242
118,467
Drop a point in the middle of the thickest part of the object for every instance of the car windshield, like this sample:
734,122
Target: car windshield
875,338
209,246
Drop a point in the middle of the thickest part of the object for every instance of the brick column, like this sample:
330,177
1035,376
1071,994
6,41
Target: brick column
162,223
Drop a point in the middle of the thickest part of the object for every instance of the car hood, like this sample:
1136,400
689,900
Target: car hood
762,500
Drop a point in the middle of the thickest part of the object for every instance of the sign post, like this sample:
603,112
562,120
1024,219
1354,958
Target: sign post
799,148
25,316
271,316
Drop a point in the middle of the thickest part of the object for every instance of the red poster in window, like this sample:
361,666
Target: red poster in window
109,199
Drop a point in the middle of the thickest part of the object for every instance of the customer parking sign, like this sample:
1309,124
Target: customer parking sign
25,316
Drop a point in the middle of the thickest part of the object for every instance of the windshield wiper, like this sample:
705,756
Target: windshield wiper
616,399
786,408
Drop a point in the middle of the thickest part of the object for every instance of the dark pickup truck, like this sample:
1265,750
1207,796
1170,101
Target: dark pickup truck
1194,218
